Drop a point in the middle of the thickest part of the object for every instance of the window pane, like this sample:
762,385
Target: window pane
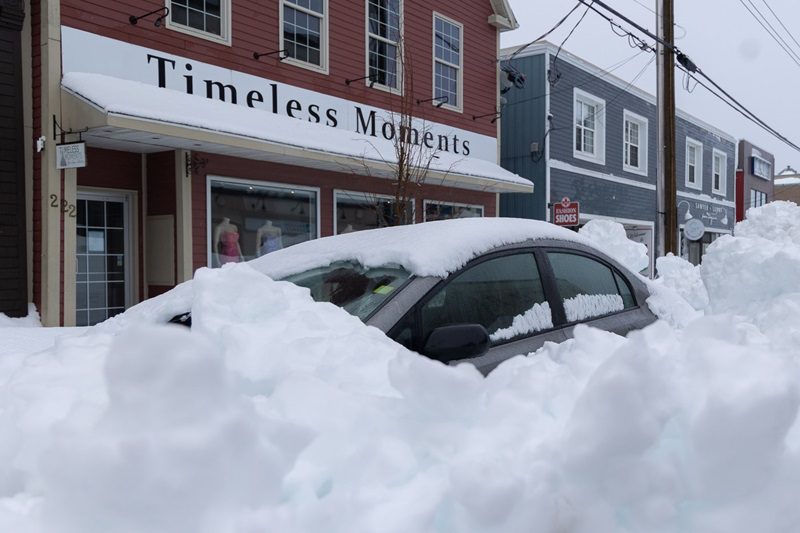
96,212
587,287
359,211
437,211
504,295
248,221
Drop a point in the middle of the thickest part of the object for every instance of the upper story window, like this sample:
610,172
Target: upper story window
635,143
589,132
448,37
694,164
762,168
209,19
719,172
383,28
305,32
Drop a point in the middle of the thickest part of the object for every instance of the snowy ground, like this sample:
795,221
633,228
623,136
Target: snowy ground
275,413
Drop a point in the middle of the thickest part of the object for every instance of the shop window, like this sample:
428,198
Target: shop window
635,143
762,168
248,220
203,18
356,211
589,131
757,198
694,164
693,251
305,33
588,288
383,25
447,60
442,211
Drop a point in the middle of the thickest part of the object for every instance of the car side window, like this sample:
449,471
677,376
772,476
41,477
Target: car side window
588,288
503,294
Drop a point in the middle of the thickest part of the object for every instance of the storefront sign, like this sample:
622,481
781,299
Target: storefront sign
88,52
566,213
71,155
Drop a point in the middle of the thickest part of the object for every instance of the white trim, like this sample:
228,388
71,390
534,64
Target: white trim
427,202
323,40
642,122
367,197
254,183
398,44
620,83
706,198
723,182
460,107
698,166
225,25
547,125
561,165
599,153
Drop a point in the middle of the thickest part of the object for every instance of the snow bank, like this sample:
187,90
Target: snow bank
610,237
275,413
31,320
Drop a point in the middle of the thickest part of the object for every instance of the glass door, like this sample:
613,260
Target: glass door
103,254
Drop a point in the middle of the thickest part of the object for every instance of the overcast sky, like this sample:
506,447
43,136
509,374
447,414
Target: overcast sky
720,36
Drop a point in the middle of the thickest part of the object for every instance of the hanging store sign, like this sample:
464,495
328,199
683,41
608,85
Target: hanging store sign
71,155
566,213
694,229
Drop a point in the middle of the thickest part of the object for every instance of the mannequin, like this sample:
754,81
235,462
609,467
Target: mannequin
268,238
226,242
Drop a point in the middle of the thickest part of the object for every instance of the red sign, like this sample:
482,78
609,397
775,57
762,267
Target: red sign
566,213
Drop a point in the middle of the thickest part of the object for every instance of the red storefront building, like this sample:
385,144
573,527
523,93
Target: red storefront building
218,130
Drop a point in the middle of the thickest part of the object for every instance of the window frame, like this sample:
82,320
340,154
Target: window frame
460,107
642,123
225,25
368,35
427,202
698,146
767,163
322,68
723,180
598,156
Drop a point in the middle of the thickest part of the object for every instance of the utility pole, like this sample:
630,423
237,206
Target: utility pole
666,187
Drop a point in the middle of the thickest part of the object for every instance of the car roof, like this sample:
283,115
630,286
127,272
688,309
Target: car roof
427,249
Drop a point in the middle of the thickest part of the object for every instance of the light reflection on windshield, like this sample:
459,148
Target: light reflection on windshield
356,289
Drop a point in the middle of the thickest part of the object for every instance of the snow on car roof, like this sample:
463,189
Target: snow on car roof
428,249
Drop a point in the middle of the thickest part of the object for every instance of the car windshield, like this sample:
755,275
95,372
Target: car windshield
356,289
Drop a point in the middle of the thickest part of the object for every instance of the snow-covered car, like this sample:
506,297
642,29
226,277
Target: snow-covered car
480,290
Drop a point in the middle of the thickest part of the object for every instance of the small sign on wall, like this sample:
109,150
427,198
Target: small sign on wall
566,213
71,155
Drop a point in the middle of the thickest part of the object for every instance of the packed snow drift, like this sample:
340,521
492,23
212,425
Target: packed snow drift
276,413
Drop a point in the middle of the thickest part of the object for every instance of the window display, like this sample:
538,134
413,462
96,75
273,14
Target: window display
442,211
249,220
356,211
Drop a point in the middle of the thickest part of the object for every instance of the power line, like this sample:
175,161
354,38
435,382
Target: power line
545,34
552,74
781,23
762,20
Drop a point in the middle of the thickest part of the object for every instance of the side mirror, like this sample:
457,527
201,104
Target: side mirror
460,341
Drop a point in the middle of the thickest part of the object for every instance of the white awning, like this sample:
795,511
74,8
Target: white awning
132,116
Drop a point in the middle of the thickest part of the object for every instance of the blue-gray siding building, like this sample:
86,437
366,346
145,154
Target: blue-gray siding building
578,131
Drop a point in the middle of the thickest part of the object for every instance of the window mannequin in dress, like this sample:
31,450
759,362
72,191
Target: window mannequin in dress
268,238
226,242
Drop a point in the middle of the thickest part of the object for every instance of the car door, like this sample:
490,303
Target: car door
593,292
502,292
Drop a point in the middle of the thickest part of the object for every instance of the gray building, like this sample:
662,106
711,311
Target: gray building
577,131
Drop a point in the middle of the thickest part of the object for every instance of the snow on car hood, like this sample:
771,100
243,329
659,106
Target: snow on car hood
430,249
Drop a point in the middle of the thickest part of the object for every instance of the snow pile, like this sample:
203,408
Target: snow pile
537,318
275,413
610,237
29,321
583,306
743,274
684,278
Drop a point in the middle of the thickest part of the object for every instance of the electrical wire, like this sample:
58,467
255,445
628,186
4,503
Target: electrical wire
771,31
552,74
545,34
781,23
653,11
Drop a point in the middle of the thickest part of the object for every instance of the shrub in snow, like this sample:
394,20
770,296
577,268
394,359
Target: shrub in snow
610,237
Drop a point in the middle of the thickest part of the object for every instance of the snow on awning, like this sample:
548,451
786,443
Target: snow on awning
133,116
